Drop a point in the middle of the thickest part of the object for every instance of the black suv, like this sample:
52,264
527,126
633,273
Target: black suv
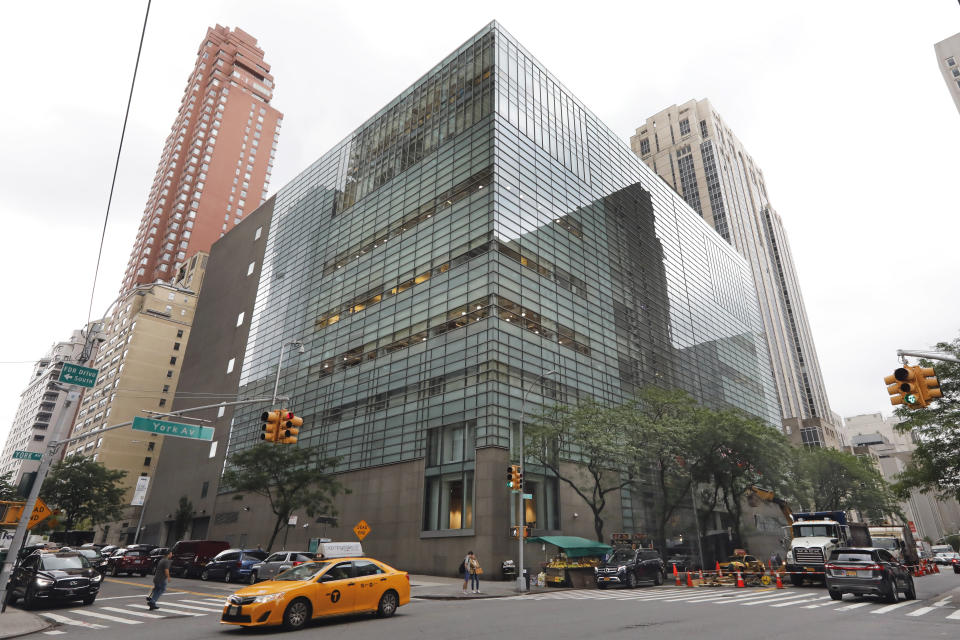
630,567
61,577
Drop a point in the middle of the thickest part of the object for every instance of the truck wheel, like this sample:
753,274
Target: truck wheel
796,579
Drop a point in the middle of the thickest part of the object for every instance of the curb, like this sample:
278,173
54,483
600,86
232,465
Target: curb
465,596
44,624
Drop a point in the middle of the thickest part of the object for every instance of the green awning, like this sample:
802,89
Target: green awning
574,546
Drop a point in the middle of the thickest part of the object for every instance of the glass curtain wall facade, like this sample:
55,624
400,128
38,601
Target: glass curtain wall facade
480,230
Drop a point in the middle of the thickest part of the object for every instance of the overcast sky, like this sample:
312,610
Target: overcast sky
840,103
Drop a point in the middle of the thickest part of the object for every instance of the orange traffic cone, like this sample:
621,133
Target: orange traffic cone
936,568
719,570
689,580
701,575
676,575
740,580
779,582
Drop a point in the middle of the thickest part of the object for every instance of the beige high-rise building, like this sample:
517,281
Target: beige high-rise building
139,366
948,59
696,153
875,436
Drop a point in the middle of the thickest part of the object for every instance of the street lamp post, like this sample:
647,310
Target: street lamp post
521,583
276,385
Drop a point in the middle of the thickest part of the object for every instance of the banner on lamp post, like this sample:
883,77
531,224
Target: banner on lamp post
140,493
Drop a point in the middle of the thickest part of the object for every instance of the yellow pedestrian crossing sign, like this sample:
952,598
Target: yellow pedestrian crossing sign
362,529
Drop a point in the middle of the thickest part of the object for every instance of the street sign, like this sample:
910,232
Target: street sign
140,493
26,455
362,529
528,496
80,376
13,511
180,430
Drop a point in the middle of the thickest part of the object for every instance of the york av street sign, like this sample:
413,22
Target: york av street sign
26,455
80,376
178,429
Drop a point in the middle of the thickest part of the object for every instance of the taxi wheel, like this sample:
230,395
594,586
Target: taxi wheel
388,604
296,615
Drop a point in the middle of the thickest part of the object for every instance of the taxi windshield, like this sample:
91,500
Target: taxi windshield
303,572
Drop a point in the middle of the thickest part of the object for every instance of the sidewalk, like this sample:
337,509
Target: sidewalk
447,588
14,622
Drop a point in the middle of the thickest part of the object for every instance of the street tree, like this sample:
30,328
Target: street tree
840,481
84,491
182,517
590,447
290,478
8,491
935,464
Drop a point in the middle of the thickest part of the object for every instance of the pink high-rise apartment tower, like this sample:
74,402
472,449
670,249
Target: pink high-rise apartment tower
216,162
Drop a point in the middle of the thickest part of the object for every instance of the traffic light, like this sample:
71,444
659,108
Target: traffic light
289,428
515,532
519,479
904,387
270,431
513,477
893,388
928,383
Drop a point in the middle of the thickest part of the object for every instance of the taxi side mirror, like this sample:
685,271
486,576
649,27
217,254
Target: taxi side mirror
326,578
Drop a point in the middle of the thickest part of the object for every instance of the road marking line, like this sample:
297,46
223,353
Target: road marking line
150,587
891,607
823,604
770,599
139,614
855,605
104,616
55,632
722,598
940,603
203,602
921,611
954,616
176,603
793,602
71,621
173,611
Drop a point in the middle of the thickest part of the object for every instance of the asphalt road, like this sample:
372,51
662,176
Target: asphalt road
191,609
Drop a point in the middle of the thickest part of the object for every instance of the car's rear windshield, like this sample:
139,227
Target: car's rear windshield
65,562
851,556
303,572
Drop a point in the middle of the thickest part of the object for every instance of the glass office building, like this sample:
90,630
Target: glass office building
480,230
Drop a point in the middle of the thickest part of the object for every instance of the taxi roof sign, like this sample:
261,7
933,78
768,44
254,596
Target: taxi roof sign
339,550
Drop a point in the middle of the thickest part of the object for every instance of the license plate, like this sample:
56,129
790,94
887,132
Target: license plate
605,579
233,610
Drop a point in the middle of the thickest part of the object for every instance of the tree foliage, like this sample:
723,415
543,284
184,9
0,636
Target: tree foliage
182,517
84,490
603,440
8,491
290,478
839,481
935,465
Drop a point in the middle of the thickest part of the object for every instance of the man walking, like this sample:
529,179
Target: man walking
160,580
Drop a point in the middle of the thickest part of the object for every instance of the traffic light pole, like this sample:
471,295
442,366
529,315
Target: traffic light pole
929,355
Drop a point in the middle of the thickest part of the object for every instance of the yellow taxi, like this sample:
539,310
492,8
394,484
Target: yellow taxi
311,590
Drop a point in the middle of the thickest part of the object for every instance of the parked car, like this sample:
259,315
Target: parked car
868,570
53,577
233,565
108,550
305,592
630,567
93,556
191,556
277,563
156,554
129,561
947,558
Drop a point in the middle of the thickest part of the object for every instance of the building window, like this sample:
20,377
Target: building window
146,461
163,402
703,128
204,488
173,360
230,365
256,235
950,61
644,146
449,490
176,346
166,388
169,374
250,268
179,333
150,446
38,438
684,127
240,319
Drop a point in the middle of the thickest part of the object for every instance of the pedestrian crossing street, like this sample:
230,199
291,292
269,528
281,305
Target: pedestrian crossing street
128,611
773,598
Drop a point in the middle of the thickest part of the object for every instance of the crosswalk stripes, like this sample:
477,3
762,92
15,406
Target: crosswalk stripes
130,613
55,617
167,609
139,614
805,599
104,616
